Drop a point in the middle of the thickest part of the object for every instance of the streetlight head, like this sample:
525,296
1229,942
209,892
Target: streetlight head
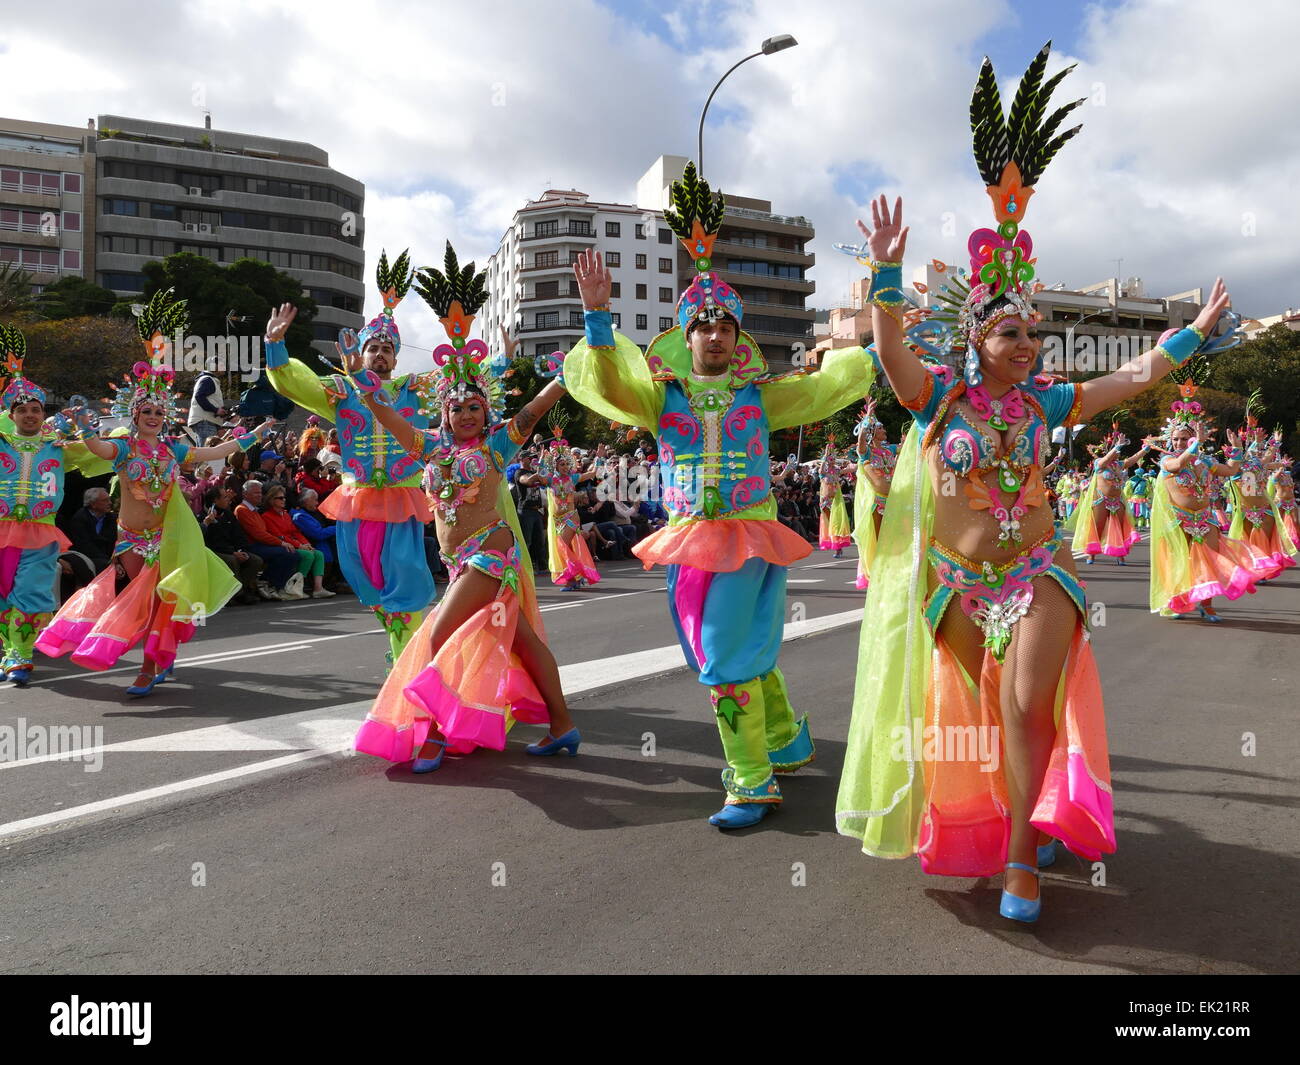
779,43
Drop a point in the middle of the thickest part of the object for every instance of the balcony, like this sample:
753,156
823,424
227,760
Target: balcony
561,235
766,216
776,255
561,267
554,330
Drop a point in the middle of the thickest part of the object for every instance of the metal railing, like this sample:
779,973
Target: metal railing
767,216
17,186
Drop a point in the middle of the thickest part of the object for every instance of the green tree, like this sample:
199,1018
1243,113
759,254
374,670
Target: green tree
72,356
1271,364
74,297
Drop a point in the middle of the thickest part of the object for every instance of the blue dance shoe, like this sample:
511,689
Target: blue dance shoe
1016,908
1121,562
1214,619
428,765
137,690
568,742
1088,561
1047,854
20,675
741,814
166,674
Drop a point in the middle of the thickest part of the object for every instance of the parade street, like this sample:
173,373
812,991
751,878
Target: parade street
223,824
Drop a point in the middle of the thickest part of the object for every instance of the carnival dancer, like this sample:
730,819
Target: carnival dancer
1281,489
34,457
833,524
1069,488
1137,492
1192,559
975,619
380,510
479,661
1103,525
570,559
1255,517
875,469
175,582
703,388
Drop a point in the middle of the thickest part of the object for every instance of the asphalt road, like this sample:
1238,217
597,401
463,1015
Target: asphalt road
227,828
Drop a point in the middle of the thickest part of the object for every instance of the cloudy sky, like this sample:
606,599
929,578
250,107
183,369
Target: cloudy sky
454,114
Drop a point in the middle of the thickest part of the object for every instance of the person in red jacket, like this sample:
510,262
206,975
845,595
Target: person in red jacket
280,556
279,522
314,476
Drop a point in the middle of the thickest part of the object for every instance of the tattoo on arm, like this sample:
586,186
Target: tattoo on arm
525,420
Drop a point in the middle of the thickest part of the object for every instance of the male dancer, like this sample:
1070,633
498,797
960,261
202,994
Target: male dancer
703,388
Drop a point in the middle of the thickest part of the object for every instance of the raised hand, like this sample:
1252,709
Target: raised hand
349,349
509,342
280,321
594,281
887,238
1219,302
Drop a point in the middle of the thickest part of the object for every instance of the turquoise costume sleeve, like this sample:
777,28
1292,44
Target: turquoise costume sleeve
614,382
804,398
293,380
179,448
1057,402
926,405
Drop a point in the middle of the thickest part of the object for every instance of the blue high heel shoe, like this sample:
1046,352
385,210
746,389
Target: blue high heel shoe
136,690
568,742
428,765
20,675
1047,854
166,674
1214,619
1088,561
741,814
1016,908
1122,562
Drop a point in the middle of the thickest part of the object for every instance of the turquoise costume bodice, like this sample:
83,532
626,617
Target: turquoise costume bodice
31,477
713,454
370,453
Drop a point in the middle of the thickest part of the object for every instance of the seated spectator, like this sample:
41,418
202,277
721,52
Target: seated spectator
319,531
225,538
330,452
279,522
280,556
93,529
312,477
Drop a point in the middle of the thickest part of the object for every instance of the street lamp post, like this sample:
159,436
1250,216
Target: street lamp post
1069,364
778,43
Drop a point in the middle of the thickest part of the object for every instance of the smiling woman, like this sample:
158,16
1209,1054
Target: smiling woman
970,563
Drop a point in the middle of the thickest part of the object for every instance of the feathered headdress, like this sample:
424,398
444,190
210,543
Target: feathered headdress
557,450
1011,154
18,389
696,218
150,380
394,283
464,367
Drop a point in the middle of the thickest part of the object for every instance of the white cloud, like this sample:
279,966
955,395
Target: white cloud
455,114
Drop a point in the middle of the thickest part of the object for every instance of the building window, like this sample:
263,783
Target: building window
126,207
617,319
580,229
613,229
573,257
665,266
665,236
71,182
71,259
72,221
548,290
640,231
122,282
665,324
575,319
641,321
616,289
165,211
640,262
547,319
547,258
641,292
665,295
546,229
613,259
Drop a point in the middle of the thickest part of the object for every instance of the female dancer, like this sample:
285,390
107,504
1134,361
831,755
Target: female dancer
175,582
570,558
1103,525
1068,488
1005,610
1255,517
1192,560
479,662
834,523
1138,494
1281,489
875,470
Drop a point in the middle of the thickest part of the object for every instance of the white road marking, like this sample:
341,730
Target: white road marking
806,580
329,730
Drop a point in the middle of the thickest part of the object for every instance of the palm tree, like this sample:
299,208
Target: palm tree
15,290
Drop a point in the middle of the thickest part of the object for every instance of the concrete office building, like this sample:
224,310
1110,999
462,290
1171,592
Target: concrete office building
47,179
534,295
165,188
